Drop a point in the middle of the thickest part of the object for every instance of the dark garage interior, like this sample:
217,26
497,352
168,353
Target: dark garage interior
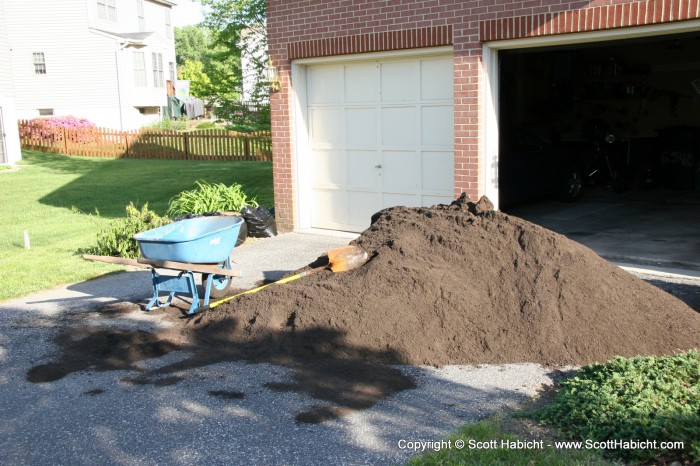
601,142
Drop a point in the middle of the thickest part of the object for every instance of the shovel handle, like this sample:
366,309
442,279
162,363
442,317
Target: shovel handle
255,290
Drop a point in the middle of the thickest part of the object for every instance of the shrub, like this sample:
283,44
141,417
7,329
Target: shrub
117,239
209,198
168,124
206,125
52,129
640,398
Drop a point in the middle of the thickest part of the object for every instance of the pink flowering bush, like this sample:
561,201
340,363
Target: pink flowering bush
78,130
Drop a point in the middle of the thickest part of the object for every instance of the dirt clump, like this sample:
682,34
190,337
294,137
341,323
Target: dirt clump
458,284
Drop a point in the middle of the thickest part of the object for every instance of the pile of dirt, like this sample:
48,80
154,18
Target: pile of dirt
457,284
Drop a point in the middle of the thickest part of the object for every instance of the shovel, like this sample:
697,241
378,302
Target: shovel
340,259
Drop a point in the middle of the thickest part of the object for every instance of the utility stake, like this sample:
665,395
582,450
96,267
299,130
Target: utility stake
25,235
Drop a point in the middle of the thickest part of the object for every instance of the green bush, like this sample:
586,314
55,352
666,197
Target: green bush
640,398
167,123
118,238
206,125
210,198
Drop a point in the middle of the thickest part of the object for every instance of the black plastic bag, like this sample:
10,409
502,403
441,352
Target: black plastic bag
260,220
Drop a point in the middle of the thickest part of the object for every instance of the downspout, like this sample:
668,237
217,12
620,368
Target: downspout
122,46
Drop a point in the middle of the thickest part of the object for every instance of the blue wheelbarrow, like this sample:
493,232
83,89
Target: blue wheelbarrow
197,245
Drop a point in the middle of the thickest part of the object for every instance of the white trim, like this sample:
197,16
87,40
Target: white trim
488,175
423,51
490,80
330,233
604,35
299,114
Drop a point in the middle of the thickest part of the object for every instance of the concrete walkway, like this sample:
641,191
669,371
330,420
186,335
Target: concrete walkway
656,229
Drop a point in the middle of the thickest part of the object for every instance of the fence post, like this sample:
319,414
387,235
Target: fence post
65,141
246,147
186,145
126,143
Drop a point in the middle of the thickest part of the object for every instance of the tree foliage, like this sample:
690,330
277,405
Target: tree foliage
200,83
213,72
191,43
231,42
240,30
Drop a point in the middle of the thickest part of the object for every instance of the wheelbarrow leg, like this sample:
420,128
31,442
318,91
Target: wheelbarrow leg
183,283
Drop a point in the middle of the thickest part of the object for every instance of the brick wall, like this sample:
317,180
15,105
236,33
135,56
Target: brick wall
309,28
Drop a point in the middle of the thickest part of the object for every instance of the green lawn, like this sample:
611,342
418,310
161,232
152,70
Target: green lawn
55,198
480,444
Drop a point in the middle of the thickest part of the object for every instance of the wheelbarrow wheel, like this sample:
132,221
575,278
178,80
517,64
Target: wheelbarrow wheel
221,285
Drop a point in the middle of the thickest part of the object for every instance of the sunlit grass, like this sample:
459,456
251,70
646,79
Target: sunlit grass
55,198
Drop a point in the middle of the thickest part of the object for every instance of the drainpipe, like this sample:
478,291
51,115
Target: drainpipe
122,46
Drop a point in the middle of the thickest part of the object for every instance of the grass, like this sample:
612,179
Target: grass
483,435
55,198
628,406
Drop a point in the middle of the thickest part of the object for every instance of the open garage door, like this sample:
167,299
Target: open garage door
380,135
624,118
623,115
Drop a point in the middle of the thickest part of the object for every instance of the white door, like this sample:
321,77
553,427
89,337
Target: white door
381,134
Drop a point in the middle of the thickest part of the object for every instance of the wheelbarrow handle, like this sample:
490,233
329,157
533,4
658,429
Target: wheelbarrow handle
172,265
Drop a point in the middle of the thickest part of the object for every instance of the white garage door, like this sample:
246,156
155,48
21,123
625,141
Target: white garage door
381,134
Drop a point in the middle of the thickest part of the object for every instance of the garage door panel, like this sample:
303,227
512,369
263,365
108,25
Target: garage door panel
362,205
394,199
325,85
329,168
399,81
400,170
434,200
330,208
437,171
362,169
327,126
399,126
381,135
361,127
437,124
436,79
361,83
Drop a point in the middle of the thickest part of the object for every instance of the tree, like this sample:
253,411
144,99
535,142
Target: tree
213,72
200,83
240,31
210,54
191,43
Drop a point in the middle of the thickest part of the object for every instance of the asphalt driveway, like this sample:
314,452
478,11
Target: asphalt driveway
226,412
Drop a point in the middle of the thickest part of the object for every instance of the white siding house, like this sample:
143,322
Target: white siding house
9,138
104,60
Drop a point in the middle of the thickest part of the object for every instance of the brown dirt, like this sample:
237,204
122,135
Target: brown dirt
98,349
458,284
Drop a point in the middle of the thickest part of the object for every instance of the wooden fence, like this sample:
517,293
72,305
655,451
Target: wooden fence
209,144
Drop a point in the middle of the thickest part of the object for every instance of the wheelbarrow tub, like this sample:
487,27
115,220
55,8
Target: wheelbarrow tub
204,240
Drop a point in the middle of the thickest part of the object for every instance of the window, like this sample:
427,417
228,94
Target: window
158,70
172,72
139,69
107,9
45,112
139,13
168,26
39,63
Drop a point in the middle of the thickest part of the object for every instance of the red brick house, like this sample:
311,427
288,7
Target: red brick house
391,102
